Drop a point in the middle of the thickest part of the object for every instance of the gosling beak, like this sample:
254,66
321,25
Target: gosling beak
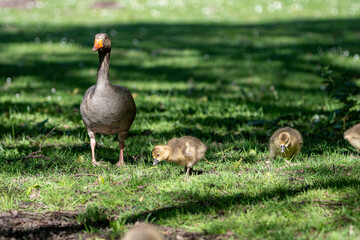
155,162
97,44
283,148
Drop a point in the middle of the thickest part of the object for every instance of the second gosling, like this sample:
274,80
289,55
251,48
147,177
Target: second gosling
286,142
185,151
352,135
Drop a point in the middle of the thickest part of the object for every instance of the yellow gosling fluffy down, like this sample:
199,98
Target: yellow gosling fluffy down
185,151
286,142
143,231
353,136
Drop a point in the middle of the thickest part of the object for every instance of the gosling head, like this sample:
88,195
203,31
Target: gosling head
102,42
160,153
284,141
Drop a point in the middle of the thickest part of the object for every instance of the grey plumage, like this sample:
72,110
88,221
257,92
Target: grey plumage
107,108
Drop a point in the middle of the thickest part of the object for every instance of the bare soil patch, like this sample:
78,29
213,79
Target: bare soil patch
21,4
105,5
63,225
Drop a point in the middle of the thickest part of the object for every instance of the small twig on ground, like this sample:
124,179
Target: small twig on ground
41,145
222,152
85,174
36,156
156,188
138,156
89,192
62,188
37,153
127,179
208,161
150,184
322,202
121,182
290,165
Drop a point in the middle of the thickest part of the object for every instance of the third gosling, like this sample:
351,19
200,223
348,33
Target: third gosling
185,151
353,136
286,142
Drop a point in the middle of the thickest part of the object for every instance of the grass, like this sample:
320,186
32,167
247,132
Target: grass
216,70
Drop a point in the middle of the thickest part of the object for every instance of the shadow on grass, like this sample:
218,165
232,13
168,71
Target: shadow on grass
192,203
138,140
227,45
57,158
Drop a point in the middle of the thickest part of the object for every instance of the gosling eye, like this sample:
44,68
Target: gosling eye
158,155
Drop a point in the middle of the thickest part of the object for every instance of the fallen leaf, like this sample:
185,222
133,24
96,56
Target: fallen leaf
141,199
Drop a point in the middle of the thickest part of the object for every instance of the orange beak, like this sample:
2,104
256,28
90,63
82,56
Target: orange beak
97,44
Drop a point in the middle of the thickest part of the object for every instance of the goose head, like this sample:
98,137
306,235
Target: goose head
284,141
160,153
102,42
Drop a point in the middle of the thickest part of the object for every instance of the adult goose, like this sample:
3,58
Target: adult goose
107,108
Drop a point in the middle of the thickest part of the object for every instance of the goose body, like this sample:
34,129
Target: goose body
286,142
107,108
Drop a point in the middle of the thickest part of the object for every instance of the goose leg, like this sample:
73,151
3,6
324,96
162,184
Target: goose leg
92,145
187,171
186,178
121,157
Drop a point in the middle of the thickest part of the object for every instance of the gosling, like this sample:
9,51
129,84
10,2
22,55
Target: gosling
185,151
143,231
352,135
286,142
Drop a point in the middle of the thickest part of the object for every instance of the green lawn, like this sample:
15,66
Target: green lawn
227,72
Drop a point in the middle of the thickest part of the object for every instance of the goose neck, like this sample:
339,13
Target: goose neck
103,70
